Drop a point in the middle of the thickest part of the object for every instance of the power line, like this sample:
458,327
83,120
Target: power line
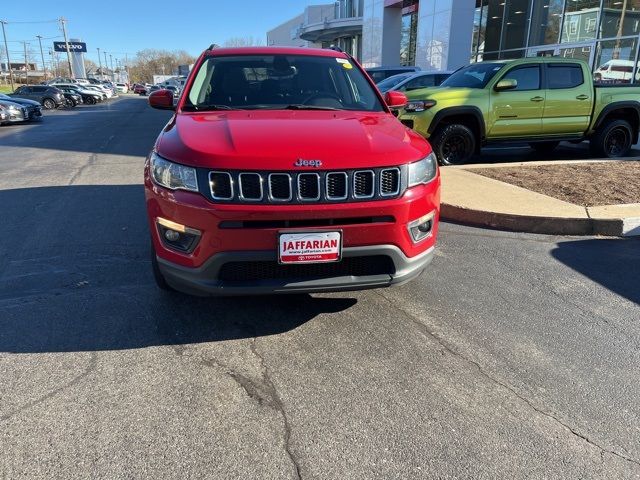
41,21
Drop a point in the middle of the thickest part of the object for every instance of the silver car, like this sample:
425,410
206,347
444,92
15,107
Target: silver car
14,112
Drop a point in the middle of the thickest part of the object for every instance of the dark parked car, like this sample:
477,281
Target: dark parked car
378,74
72,98
48,96
14,112
90,97
405,82
34,109
153,88
140,89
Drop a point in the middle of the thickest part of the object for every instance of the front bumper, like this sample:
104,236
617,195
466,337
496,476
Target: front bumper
204,281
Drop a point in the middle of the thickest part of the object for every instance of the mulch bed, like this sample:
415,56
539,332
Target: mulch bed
587,184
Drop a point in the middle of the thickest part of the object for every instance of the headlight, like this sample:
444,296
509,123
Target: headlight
423,171
419,105
173,175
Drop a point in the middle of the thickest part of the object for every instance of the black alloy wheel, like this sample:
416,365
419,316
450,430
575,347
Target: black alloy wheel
453,144
613,139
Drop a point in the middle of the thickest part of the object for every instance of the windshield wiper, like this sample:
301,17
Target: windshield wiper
203,108
300,106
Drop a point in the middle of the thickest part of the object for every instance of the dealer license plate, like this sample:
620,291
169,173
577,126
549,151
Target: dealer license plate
310,247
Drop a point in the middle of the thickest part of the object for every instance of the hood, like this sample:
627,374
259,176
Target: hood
275,139
7,104
442,93
24,101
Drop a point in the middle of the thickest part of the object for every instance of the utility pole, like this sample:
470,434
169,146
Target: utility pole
100,62
6,49
26,64
113,76
106,64
44,67
66,43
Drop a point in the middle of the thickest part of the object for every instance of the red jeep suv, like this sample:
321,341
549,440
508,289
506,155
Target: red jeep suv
284,170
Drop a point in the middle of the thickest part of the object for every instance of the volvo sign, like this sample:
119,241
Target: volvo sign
73,46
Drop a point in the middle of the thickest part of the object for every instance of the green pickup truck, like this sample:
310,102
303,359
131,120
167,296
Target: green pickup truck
539,101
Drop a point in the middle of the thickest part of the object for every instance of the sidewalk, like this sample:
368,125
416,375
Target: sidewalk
477,200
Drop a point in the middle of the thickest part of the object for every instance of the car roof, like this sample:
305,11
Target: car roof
312,52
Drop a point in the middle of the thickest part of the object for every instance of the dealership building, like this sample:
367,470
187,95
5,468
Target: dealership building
446,34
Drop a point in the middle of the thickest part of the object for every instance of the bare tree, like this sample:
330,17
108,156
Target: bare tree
249,41
150,62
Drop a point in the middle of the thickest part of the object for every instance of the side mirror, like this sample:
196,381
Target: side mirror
162,100
506,84
395,99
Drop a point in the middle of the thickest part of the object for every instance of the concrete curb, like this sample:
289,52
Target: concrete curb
611,227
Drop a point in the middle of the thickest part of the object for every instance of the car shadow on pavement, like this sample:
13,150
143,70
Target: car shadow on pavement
613,263
75,275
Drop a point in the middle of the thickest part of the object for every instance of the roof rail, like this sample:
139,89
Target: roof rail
213,46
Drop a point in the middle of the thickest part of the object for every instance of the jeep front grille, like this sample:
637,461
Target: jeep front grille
306,187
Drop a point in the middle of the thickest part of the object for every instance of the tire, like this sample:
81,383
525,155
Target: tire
613,139
49,103
453,144
69,103
544,147
157,274
90,101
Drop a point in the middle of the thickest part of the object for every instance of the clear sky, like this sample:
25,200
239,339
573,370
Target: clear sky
127,27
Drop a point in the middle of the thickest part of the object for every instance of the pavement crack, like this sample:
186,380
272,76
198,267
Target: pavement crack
279,406
91,366
422,327
265,394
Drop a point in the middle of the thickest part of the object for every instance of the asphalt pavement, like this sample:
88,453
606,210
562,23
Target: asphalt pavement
514,356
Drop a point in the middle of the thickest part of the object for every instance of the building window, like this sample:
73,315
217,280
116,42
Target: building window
615,61
408,36
577,15
619,18
515,25
546,18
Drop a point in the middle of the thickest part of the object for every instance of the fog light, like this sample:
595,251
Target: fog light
421,228
178,237
171,235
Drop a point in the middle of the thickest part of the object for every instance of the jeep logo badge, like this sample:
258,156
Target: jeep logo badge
307,163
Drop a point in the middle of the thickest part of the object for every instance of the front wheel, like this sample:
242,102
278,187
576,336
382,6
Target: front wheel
613,139
453,144
49,104
90,101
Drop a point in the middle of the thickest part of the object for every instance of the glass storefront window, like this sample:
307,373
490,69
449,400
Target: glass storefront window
620,18
408,39
514,31
493,31
580,20
546,18
479,28
615,61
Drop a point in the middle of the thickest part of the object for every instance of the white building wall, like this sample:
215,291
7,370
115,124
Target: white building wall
285,34
445,30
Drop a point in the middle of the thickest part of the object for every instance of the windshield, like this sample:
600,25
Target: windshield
389,83
473,76
280,82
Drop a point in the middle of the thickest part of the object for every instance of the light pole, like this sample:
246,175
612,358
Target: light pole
26,64
113,77
44,67
6,48
66,43
100,62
